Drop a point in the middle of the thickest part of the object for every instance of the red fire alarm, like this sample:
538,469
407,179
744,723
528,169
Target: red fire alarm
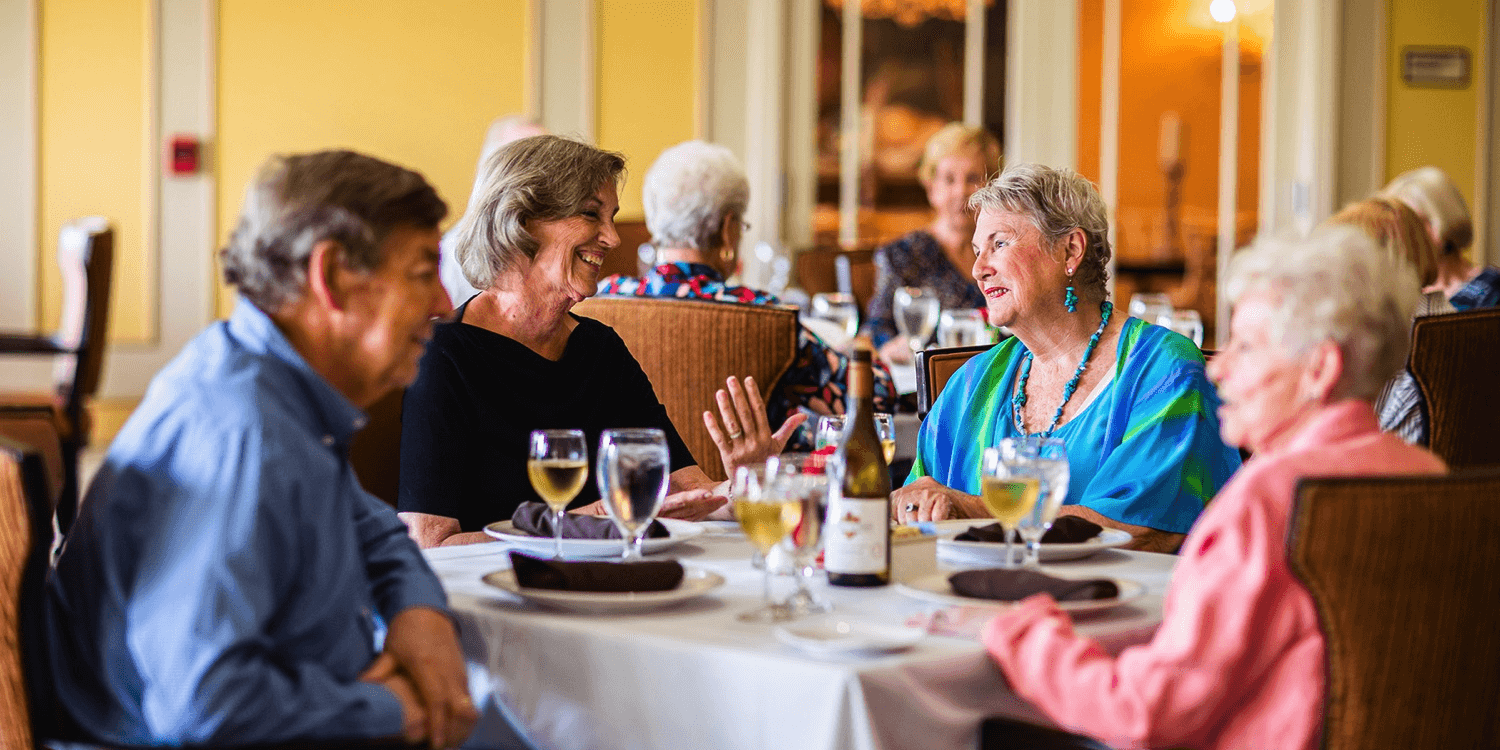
184,154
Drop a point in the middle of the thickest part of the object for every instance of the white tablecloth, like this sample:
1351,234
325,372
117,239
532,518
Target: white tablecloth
696,677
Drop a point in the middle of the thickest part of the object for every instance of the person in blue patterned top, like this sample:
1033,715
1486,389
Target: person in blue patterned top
695,196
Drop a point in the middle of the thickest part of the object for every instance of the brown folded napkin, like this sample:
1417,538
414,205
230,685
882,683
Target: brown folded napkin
536,519
1014,585
558,575
1065,530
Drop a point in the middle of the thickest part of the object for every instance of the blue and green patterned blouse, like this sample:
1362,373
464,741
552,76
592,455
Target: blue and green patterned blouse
1146,451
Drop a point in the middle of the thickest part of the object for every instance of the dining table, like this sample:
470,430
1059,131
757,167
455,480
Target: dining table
690,674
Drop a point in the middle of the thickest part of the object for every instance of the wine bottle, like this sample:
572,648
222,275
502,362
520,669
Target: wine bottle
857,538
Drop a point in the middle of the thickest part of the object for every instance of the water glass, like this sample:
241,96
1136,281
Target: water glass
962,328
916,313
1050,457
1149,307
1009,486
632,470
839,309
558,464
1188,323
802,478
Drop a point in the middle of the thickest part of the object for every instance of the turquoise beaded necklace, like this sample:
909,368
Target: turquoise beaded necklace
1019,400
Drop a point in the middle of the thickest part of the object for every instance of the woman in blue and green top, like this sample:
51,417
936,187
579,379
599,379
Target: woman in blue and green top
1130,399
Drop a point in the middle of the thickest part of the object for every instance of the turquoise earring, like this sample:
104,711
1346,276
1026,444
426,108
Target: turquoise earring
1070,299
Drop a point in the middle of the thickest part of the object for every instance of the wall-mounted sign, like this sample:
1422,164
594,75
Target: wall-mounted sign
1435,67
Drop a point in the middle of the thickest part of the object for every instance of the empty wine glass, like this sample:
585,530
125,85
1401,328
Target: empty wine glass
802,478
916,313
962,328
839,309
766,515
1050,457
1009,485
632,470
558,464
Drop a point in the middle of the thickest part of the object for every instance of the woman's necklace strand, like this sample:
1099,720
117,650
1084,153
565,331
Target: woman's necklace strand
1019,400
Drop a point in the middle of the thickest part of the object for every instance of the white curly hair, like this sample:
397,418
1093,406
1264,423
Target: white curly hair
689,190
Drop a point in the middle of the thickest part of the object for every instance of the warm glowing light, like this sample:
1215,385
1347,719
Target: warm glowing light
1222,10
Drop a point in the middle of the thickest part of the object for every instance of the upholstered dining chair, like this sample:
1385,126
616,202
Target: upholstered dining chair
688,347
86,259
1403,573
1455,360
935,367
25,540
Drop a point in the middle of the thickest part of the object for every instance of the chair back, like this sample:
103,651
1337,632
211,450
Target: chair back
375,451
935,367
35,425
816,274
85,257
688,347
1454,359
1403,573
25,542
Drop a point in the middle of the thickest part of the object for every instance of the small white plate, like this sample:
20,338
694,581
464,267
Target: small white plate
677,533
994,552
832,636
695,583
935,588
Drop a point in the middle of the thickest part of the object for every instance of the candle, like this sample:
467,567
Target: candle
1169,148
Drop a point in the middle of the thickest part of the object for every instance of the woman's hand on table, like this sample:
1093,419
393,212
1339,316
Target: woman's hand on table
954,622
896,351
927,500
691,505
745,437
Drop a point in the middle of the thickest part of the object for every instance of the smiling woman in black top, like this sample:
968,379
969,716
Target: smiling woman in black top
516,359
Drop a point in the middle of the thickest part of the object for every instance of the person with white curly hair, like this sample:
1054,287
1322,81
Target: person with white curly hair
1431,193
1318,326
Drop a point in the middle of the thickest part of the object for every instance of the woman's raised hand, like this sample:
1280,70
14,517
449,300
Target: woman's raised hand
745,437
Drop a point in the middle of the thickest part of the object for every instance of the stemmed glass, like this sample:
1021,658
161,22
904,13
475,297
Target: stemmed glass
749,479
802,478
839,309
1009,485
1050,457
632,471
558,464
885,429
917,313
766,516
830,431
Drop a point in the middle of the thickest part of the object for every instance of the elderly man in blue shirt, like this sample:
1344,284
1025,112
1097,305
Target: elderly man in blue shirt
227,576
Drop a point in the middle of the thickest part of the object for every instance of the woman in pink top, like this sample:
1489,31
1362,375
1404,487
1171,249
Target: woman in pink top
1319,325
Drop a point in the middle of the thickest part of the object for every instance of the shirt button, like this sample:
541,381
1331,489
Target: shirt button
328,440
359,423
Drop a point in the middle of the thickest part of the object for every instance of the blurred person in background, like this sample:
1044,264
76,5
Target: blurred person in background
1431,193
501,131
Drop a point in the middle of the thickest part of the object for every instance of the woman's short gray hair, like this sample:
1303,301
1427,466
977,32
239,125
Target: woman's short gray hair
297,201
1435,198
1056,201
1335,285
689,190
540,178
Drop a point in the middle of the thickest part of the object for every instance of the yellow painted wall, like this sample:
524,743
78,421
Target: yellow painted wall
1434,126
93,149
413,82
648,83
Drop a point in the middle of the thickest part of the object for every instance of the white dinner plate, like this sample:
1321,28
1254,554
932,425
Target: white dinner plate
695,582
935,588
834,636
994,552
677,533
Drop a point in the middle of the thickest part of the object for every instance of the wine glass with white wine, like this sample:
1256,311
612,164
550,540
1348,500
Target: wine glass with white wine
766,515
1009,486
885,429
632,472
558,464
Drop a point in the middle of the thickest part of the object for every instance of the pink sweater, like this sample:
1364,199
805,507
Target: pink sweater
1238,659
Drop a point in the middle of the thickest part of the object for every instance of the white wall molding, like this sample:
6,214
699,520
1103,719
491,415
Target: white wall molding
568,95
1109,123
1362,90
19,88
1041,82
765,113
1299,116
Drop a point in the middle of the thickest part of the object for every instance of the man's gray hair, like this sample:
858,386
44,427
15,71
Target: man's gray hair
1335,285
1056,201
689,190
299,200
539,178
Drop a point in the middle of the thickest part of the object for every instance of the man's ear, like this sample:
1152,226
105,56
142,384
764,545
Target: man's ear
327,278
1325,368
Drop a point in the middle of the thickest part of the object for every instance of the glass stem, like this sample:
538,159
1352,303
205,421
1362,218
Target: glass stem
1010,539
557,524
767,580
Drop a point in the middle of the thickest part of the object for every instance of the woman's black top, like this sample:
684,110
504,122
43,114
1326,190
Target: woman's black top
467,420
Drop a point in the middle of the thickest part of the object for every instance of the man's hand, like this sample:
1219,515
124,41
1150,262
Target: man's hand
424,648
413,718
926,500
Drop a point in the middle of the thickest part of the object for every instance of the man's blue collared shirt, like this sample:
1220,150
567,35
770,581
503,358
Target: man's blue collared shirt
222,579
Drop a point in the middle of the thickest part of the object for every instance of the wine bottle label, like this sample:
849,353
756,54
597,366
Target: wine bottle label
857,535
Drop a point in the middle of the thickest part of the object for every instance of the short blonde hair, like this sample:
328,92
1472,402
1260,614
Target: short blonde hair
953,138
1396,229
1335,285
539,178
1430,192
1056,201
